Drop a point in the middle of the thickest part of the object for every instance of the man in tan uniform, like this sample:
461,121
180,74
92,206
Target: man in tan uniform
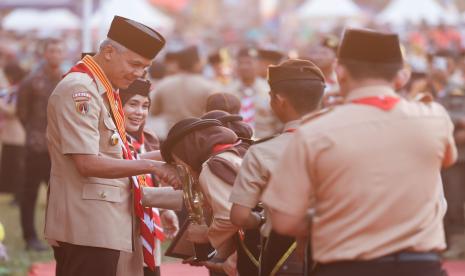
296,89
370,169
253,93
89,209
183,94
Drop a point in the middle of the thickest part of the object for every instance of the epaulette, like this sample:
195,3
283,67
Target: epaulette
424,98
315,114
265,139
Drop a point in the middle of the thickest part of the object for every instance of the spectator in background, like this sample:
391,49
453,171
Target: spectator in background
12,135
33,96
184,94
253,92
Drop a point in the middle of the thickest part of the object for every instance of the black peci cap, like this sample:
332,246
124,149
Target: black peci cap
367,46
294,69
135,36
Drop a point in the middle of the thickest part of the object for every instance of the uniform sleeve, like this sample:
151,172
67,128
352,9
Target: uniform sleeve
217,193
290,188
450,154
250,181
78,111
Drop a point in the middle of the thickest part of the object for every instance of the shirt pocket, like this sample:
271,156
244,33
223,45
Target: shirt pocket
109,138
95,191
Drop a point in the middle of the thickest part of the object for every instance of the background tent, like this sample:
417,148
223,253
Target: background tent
400,12
139,10
42,20
328,9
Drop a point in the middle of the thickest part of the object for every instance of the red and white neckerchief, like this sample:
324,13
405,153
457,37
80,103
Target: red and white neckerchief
247,110
385,103
145,214
139,148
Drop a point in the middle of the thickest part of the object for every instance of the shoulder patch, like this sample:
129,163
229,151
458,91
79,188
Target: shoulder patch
81,100
81,96
313,115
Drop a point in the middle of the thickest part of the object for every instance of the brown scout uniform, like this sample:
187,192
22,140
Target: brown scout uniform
372,176
87,211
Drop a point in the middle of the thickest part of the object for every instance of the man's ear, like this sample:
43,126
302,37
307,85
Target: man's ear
108,51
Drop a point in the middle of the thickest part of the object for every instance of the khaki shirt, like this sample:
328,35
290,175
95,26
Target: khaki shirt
373,177
257,166
217,192
87,211
266,123
181,96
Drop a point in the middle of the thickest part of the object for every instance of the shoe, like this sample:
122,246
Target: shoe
36,245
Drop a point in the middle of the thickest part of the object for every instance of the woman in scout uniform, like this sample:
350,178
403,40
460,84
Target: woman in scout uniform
136,103
209,151
296,89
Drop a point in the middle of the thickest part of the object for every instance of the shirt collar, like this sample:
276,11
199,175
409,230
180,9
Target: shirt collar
291,125
371,91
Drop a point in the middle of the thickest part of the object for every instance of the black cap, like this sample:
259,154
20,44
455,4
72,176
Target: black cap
367,46
224,101
294,69
222,116
135,36
272,55
181,129
138,87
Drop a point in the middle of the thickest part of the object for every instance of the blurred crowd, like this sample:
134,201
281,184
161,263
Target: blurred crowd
184,79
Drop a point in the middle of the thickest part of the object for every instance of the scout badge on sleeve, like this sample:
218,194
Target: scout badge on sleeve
81,100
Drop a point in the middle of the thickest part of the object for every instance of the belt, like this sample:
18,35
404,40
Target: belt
410,257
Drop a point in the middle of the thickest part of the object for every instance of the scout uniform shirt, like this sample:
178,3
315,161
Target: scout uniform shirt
181,96
372,175
88,211
256,169
217,192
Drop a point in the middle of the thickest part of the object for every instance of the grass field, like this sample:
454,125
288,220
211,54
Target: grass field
20,259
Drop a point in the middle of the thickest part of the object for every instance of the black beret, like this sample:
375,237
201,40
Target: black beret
294,69
224,101
136,37
138,87
367,46
272,55
180,130
222,116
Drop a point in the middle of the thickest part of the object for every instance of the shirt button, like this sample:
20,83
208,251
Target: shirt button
103,195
